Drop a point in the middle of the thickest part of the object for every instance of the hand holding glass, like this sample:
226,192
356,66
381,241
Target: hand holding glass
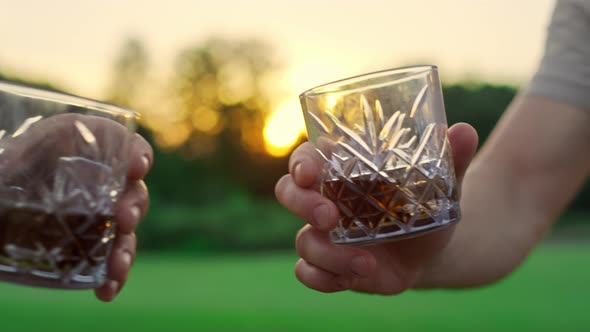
63,165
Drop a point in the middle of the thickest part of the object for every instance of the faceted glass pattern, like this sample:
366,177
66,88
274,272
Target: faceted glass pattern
388,165
63,162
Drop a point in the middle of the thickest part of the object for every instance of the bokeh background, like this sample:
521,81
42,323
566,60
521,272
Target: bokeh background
217,85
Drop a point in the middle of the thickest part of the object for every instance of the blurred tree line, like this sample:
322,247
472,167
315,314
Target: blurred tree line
212,183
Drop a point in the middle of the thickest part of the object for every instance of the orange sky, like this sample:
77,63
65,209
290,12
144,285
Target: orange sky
73,42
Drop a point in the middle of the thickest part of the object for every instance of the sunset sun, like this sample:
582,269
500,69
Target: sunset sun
283,128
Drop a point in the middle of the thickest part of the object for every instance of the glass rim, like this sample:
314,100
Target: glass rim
332,87
65,98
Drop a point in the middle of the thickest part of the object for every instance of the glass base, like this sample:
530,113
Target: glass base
34,281
364,238
50,280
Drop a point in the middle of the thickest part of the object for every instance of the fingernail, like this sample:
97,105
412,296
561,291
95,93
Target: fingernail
126,257
297,170
320,213
146,162
143,185
135,213
360,266
113,287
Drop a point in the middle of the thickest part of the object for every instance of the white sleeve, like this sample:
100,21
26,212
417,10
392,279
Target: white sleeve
564,73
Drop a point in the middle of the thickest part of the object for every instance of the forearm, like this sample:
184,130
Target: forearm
523,178
495,234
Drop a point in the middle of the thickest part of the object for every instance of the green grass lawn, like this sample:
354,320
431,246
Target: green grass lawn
551,292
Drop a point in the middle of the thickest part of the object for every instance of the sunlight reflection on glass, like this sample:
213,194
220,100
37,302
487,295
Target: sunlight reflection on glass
332,100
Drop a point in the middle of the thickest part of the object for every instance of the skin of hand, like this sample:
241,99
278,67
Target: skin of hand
131,209
388,268
55,137
529,169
